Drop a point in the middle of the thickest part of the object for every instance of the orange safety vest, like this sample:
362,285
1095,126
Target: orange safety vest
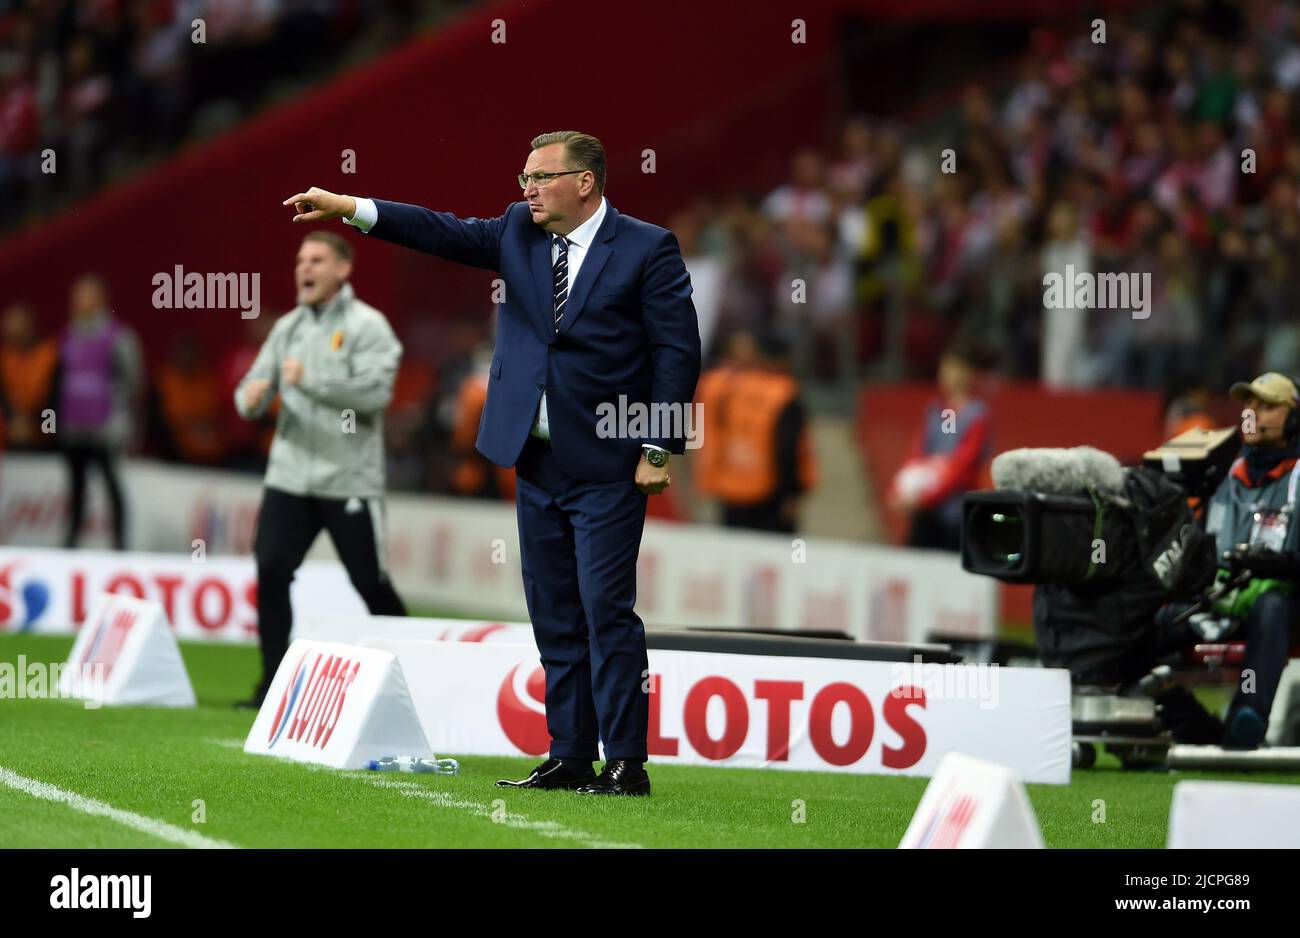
741,411
27,374
711,392
469,476
191,408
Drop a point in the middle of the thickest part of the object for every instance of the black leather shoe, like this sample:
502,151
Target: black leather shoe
619,777
554,773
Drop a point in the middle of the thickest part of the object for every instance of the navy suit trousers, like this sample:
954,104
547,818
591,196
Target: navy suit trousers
579,543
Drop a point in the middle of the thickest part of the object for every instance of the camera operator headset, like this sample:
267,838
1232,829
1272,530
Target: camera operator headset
1252,518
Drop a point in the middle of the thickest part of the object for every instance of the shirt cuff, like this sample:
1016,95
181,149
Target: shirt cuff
652,446
366,215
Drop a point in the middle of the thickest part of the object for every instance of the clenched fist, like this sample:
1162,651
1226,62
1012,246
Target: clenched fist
319,205
254,391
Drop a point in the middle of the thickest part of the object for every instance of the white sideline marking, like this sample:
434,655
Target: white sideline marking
480,809
147,825
411,789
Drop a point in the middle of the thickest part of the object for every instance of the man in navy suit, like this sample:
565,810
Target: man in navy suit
598,322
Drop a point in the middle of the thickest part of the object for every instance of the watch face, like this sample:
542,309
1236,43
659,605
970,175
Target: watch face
655,457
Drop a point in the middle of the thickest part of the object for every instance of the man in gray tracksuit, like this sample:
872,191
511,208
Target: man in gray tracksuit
333,360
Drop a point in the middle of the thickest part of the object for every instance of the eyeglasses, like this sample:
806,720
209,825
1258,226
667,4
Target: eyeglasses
543,179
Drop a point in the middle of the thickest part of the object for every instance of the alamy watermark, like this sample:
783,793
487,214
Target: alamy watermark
658,421
193,290
946,681
79,890
1085,290
39,680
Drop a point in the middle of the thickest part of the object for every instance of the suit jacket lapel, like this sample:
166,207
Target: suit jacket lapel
599,252
544,278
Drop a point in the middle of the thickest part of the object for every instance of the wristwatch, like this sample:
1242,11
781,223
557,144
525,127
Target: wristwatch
655,457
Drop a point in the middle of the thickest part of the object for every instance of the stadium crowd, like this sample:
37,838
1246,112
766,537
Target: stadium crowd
111,85
1172,148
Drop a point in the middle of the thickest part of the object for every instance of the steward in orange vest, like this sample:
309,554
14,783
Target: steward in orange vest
472,474
27,365
756,458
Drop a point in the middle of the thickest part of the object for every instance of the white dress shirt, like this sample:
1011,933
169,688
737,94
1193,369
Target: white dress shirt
580,239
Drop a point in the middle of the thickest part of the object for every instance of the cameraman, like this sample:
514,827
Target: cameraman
1251,517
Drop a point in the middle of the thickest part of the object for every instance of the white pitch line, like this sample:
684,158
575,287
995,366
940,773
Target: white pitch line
228,743
410,789
147,825
514,820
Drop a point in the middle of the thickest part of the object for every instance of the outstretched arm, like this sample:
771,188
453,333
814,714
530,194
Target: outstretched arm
472,241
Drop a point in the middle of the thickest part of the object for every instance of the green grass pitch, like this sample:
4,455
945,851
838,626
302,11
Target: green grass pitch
185,771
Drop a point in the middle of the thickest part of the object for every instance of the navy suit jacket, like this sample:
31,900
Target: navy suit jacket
629,330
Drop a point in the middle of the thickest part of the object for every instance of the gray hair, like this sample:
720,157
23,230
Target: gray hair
581,151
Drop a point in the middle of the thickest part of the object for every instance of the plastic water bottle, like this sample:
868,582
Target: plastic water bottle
412,764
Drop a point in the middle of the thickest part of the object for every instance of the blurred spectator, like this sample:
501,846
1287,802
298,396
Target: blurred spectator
472,473
83,115
888,242
706,270
99,378
757,457
1167,342
1190,408
948,453
27,365
803,198
748,246
408,425
156,88
20,118
851,174
1065,254
814,300
190,406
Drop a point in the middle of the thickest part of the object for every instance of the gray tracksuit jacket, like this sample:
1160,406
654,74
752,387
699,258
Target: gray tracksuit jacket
329,437
1231,515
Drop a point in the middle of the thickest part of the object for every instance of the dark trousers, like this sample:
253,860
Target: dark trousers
286,528
1269,629
579,543
79,456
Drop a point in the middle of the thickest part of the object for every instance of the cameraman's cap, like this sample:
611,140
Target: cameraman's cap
1271,388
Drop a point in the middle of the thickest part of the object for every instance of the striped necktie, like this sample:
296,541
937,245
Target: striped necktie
561,279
